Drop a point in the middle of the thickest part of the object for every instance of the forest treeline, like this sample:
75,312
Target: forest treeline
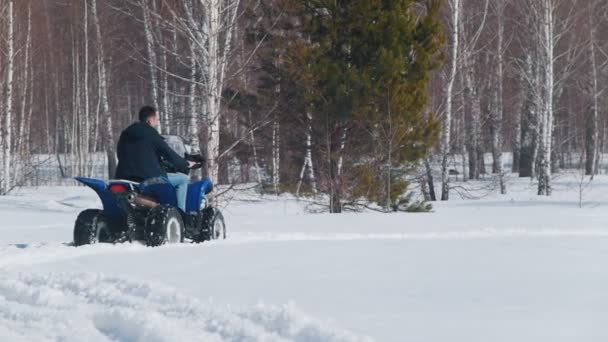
351,99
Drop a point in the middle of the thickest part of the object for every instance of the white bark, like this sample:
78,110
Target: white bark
546,115
74,131
85,134
212,41
256,164
103,93
308,165
151,53
26,90
456,7
499,110
216,68
8,113
166,112
193,130
593,153
276,157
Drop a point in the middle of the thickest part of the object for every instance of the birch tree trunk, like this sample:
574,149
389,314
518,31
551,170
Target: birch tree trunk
546,117
27,89
254,152
103,93
499,110
529,114
308,166
592,153
85,134
471,95
166,111
152,60
193,130
515,167
455,6
8,110
461,125
276,157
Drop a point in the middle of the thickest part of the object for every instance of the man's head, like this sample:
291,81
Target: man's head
148,115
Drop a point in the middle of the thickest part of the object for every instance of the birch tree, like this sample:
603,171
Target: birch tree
7,125
553,20
209,26
455,9
152,60
307,167
103,93
547,35
499,9
471,31
592,147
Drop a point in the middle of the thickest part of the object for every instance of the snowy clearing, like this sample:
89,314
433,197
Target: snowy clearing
512,268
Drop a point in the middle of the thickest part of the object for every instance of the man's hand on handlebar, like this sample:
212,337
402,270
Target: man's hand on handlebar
194,165
195,158
195,161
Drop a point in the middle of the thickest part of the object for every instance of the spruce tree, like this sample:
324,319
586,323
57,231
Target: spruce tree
366,66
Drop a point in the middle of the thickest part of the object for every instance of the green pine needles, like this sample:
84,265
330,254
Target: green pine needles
364,67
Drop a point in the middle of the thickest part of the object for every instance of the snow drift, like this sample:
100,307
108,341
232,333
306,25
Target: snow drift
94,307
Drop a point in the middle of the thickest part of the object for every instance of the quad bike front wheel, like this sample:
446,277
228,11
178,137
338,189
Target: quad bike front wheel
218,226
163,225
209,225
92,226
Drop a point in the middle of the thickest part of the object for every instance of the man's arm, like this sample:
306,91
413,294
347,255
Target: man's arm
163,150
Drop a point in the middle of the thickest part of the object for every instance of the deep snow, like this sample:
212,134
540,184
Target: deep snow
500,268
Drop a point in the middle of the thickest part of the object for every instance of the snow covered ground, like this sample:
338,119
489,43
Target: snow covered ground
499,268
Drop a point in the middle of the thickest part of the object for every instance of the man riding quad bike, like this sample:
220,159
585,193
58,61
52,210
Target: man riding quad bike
150,200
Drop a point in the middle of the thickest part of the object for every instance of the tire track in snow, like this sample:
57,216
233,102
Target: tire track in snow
488,233
16,255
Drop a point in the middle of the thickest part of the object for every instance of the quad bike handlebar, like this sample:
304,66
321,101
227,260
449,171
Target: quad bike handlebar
198,159
196,166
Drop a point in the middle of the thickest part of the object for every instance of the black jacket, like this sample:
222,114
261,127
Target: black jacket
140,149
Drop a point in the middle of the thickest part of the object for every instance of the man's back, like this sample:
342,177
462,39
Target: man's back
139,150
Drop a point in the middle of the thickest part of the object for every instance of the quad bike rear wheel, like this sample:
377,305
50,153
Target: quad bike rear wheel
164,225
92,226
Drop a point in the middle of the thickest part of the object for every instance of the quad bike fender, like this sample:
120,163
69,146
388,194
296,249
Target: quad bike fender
196,194
110,206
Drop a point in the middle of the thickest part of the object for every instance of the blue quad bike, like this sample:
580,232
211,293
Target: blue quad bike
147,212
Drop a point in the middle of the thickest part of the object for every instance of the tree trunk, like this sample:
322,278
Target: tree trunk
152,63
529,119
447,121
593,137
546,122
308,166
7,127
193,110
276,157
472,99
430,180
515,166
103,91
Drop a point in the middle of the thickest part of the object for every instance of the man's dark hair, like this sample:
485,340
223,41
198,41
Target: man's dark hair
146,112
